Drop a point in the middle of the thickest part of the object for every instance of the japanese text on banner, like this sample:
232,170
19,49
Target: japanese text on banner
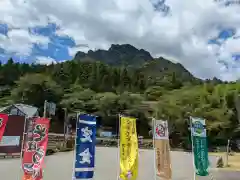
128,149
85,147
35,147
162,149
200,149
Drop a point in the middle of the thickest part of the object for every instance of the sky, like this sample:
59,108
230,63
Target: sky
202,35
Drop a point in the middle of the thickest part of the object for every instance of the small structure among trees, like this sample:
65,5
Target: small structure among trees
20,110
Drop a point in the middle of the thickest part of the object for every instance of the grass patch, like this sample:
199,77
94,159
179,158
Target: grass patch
233,160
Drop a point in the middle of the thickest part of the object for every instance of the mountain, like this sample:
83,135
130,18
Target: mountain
161,68
132,57
124,54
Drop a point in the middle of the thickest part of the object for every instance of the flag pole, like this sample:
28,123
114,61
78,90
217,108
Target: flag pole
22,146
74,152
194,173
169,148
118,145
154,148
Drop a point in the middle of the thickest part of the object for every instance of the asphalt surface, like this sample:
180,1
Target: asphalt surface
59,167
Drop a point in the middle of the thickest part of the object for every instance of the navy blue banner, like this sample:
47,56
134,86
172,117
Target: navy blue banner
85,147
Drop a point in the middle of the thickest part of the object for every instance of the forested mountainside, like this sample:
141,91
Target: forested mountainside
125,80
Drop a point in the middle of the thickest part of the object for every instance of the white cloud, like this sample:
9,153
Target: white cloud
45,60
19,41
182,35
74,50
232,45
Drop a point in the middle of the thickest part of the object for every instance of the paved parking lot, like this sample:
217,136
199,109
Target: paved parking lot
59,166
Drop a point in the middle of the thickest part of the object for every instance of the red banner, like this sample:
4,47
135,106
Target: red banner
35,147
3,123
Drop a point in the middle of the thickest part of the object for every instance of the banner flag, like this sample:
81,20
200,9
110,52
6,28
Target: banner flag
85,147
162,150
3,123
35,147
200,149
128,149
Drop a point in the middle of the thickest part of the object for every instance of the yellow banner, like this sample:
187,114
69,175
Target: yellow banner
128,149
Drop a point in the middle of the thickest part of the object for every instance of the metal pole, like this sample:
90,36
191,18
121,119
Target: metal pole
118,146
194,173
227,152
74,155
169,148
45,109
154,148
65,123
22,146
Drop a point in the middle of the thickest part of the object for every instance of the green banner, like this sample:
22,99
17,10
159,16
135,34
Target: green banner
200,149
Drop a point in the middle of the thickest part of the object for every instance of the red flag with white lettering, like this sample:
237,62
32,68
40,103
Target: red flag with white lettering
3,123
35,147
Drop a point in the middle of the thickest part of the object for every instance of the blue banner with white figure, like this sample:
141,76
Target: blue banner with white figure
85,147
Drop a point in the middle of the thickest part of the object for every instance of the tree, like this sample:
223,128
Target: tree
213,103
35,88
156,88
78,99
107,103
154,93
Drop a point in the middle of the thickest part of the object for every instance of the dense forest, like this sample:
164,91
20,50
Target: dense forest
129,81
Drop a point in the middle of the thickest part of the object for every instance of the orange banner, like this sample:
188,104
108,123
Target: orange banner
162,150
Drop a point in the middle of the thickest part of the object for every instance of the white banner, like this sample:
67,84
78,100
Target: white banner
51,108
161,129
198,127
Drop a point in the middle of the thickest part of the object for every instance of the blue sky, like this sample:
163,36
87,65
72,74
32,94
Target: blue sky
56,48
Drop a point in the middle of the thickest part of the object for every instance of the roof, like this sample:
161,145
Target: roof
26,109
4,108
